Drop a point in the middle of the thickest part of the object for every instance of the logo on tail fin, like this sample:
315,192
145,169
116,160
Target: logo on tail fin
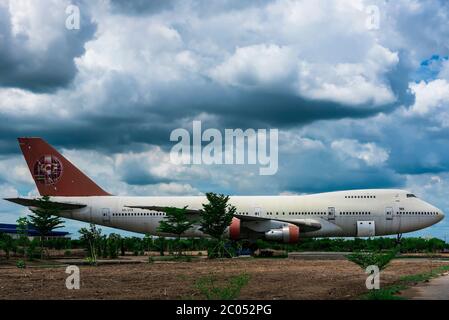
47,170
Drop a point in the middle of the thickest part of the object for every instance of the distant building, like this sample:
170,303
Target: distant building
11,229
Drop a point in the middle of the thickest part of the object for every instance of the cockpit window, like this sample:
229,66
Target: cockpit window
410,195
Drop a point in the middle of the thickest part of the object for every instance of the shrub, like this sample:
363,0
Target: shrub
113,245
91,238
33,249
91,261
365,259
20,264
230,290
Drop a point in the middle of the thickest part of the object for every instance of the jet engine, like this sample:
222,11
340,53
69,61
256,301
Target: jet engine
286,234
233,230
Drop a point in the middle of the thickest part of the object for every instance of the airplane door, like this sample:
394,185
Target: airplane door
106,214
389,213
366,229
331,213
257,211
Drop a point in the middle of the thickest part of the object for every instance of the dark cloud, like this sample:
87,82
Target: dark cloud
138,7
135,171
134,176
415,149
102,133
311,171
145,7
36,69
399,79
136,125
416,145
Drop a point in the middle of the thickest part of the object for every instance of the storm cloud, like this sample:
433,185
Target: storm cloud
37,52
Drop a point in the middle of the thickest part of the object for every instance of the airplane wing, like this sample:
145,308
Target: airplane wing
35,203
163,209
304,224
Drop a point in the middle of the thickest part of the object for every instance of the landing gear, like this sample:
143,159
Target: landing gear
253,247
248,247
398,239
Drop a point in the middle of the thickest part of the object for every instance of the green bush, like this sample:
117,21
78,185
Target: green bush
113,245
385,294
7,244
91,261
20,264
33,250
230,290
365,259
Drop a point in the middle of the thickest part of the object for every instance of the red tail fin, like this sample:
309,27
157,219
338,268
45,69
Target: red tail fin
53,174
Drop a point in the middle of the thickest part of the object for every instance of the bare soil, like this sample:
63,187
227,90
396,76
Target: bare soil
269,279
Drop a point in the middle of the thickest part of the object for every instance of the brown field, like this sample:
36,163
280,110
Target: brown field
269,279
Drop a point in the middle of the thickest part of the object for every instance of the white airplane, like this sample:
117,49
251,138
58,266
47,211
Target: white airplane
352,213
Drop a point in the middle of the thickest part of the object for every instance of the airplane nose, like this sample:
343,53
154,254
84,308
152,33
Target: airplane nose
440,215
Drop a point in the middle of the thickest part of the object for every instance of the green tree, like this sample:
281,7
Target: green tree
113,244
102,247
176,222
6,243
45,219
148,242
91,238
216,217
122,247
22,232
134,244
161,243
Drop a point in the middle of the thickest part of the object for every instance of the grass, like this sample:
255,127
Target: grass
211,289
424,256
425,276
390,292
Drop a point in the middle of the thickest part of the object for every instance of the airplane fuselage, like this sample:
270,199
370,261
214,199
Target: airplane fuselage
372,212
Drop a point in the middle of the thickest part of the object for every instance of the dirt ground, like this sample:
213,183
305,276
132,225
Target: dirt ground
269,279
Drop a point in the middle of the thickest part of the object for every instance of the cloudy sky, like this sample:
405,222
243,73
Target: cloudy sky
360,100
